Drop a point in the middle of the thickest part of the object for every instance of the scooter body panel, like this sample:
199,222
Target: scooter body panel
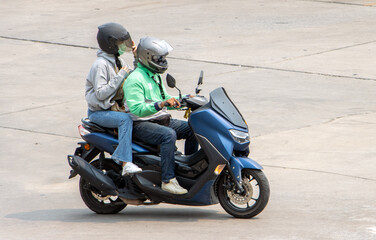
205,196
108,143
215,128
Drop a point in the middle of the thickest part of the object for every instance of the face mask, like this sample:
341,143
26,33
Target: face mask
122,49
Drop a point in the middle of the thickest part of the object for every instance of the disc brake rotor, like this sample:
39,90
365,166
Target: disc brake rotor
241,198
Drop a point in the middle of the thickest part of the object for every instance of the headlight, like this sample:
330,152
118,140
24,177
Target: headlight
239,136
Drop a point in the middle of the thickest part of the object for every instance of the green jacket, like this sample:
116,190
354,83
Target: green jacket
142,94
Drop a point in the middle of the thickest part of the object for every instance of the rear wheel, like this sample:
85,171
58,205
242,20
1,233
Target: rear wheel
249,203
92,197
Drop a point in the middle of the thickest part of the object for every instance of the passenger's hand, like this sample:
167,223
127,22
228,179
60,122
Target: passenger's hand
172,102
134,48
126,68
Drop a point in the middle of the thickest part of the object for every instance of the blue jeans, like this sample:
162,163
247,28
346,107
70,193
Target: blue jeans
156,134
121,121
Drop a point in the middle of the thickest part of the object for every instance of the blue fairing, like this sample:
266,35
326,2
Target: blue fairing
204,197
108,143
215,128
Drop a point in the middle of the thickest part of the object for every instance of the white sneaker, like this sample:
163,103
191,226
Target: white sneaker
130,168
173,187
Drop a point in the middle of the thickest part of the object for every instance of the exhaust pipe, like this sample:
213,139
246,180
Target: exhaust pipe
94,176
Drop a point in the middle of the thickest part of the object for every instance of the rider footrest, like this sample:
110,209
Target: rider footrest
150,182
131,196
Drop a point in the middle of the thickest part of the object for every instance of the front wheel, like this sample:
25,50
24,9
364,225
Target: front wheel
249,203
92,197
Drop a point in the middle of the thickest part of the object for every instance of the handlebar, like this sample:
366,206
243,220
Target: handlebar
191,102
182,102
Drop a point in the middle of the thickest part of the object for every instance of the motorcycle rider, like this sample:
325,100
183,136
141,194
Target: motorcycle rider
146,98
105,78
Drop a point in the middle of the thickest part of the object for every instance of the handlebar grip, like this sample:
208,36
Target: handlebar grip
182,100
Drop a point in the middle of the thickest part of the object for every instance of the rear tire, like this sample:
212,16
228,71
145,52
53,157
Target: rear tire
252,201
92,197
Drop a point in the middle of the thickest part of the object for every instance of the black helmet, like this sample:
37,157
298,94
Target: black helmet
152,52
110,34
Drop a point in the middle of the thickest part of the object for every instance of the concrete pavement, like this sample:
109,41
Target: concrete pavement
301,73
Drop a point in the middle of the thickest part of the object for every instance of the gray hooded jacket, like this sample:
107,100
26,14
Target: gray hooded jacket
103,82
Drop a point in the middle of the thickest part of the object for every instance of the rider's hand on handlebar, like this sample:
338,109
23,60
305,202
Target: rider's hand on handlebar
172,102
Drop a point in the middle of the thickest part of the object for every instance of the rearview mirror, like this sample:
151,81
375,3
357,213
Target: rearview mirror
199,82
201,77
171,82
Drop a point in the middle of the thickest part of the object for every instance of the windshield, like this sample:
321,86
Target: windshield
223,105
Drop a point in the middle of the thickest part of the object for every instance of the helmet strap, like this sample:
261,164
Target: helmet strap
117,61
159,82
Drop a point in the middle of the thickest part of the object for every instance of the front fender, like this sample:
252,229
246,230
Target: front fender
238,163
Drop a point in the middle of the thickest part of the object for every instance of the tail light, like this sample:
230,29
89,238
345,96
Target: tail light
82,131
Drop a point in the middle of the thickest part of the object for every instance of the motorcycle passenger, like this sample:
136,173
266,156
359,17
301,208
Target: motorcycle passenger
146,98
103,84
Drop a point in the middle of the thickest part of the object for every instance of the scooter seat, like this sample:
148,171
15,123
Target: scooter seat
149,147
89,125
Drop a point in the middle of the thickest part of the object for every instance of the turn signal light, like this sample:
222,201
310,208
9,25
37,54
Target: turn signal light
219,169
87,147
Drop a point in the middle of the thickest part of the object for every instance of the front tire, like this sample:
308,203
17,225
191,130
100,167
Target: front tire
93,198
249,203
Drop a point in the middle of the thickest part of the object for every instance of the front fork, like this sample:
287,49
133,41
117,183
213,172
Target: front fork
236,166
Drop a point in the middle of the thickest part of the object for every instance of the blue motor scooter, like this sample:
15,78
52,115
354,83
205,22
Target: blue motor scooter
219,172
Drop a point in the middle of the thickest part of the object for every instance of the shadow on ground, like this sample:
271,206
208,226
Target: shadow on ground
131,214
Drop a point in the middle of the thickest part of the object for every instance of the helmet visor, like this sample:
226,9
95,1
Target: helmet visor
126,45
157,58
160,60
